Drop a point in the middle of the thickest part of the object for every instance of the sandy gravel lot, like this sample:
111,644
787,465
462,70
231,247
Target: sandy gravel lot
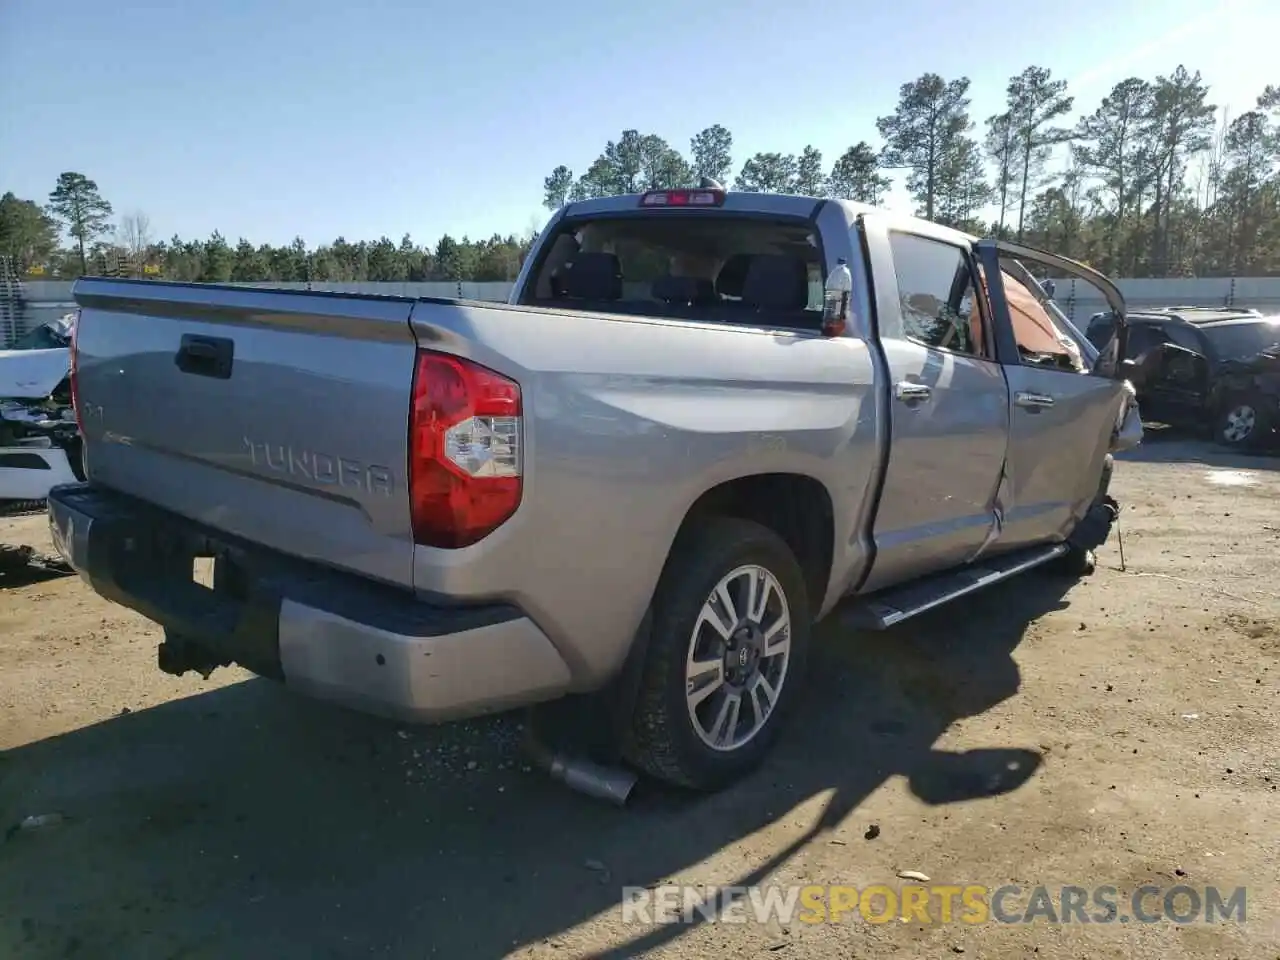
1121,730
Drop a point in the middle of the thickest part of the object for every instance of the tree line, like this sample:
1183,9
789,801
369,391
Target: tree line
1155,181
30,236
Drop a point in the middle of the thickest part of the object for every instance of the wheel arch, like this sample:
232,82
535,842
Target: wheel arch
795,506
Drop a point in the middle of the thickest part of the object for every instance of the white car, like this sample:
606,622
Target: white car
39,440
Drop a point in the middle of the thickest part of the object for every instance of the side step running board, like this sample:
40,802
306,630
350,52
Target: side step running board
882,610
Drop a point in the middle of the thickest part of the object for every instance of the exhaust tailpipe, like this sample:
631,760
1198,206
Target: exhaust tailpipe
611,784
604,783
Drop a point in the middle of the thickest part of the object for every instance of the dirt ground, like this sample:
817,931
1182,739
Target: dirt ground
1122,730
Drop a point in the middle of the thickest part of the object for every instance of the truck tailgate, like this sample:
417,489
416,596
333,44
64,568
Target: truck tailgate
280,417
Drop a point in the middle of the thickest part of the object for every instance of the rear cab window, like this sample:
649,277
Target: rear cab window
708,266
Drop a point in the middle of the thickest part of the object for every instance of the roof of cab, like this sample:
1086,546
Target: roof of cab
1197,316
777,204
781,204
1237,320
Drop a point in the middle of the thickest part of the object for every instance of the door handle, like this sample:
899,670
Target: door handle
1033,401
909,392
206,356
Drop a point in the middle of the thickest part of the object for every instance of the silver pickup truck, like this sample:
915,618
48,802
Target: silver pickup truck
640,480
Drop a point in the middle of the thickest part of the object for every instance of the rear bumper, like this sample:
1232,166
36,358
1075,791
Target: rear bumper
328,634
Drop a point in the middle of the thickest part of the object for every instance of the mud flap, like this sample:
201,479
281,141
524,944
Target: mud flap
1095,526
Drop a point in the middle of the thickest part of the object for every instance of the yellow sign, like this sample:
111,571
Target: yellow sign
150,268
35,270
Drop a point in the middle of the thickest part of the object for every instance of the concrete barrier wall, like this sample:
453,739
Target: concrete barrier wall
1259,292
44,300
59,291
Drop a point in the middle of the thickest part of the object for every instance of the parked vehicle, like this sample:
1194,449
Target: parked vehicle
1216,370
39,441
645,477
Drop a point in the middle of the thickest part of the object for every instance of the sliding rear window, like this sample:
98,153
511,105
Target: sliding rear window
712,267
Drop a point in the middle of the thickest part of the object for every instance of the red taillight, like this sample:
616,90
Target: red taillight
464,450
73,377
682,198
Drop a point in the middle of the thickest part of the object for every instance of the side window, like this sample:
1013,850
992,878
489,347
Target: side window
1185,338
936,295
1143,337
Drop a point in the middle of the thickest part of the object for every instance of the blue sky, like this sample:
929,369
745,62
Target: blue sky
276,118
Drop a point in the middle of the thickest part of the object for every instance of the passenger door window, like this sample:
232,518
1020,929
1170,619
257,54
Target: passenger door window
1039,330
936,295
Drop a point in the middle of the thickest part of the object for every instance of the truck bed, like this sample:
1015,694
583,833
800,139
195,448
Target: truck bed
626,423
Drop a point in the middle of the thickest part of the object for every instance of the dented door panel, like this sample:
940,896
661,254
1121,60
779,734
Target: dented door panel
1065,407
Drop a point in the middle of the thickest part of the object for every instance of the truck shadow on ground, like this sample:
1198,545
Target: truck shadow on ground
13,578
246,822
1161,444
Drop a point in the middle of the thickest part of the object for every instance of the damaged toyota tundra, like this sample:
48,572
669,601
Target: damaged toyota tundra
702,422
39,441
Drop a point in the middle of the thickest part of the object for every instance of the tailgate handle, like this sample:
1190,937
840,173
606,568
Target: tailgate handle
206,356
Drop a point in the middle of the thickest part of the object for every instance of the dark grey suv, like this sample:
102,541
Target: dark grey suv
1204,368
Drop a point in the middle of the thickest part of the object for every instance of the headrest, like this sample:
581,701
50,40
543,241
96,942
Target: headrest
777,281
683,290
593,276
733,274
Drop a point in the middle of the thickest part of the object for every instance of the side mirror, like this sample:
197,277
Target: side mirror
1048,287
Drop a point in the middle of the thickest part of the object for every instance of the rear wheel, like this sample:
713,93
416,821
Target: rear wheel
1241,423
726,657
